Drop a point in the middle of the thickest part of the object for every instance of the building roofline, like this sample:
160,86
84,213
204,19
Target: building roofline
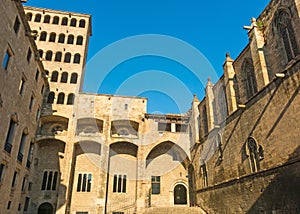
111,95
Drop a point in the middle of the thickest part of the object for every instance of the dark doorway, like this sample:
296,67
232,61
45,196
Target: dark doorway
180,195
45,208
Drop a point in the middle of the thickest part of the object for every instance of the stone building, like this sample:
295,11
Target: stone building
235,151
22,85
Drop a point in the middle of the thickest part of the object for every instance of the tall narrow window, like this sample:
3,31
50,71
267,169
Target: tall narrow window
43,36
204,175
82,23
44,182
70,39
29,53
41,53
37,18
61,38
64,77
30,154
79,40
70,99
21,86
49,55
51,97
64,21
24,183
6,59
249,78
54,76
52,37
61,98
76,58
58,56
22,145
10,136
155,185
285,28
74,77
47,19
2,171
26,205
15,179
79,182
17,25
67,57
55,20
120,183
253,154
37,73
38,114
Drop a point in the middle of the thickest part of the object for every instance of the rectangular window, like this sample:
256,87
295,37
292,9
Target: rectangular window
84,182
24,183
38,114
2,171
31,102
26,205
155,185
8,205
37,73
29,53
21,148
17,25
6,59
21,86
29,157
119,183
14,180
10,136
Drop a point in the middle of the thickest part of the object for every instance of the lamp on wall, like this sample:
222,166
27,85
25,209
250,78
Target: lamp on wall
280,75
241,106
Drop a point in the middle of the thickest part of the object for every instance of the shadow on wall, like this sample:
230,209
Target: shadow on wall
282,195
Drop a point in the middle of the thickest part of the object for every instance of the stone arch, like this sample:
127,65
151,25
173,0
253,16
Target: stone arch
123,147
87,146
52,125
168,147
45,208
124,128
89,125
180,193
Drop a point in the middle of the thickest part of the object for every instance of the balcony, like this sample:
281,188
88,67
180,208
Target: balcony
8,147
20,157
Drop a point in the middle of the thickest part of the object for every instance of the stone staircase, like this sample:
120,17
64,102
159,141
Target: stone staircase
174,210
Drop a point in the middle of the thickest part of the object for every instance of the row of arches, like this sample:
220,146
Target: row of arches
61,38
58,57
64,77
56,20
61,98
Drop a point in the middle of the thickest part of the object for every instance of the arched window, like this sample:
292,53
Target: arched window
249,77
47,72
54,76
64,77
70,39
64,21
70,100
204,174
55,20
43,36
37,18
73,22
67,57
74,77
82,23
61,98
51,97
79,40
49,55
58,56
61,38
253,154
29,16
52,37
47,19
41,53
76,58
285,29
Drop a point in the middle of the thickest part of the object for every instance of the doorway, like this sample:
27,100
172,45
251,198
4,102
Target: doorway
180,194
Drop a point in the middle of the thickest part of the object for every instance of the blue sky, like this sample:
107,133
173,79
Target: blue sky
212,28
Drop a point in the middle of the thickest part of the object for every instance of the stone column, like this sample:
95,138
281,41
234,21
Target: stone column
257,42
229,84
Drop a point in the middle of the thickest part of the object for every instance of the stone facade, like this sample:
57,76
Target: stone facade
22,86
235,151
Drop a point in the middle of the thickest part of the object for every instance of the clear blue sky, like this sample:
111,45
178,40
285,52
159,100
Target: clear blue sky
212,27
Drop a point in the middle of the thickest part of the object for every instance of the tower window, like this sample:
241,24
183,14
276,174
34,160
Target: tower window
49,180
74,77
155,185
84,182
61,38
79,40
120,183
17,25
82,23
52,37
64,21
67,57
6,59
70,39
29,16
47,19
58,56
37,18
61,98
70,100
64,77
43,36
54,76
55,20
73,22
51,97
76,58
49,55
